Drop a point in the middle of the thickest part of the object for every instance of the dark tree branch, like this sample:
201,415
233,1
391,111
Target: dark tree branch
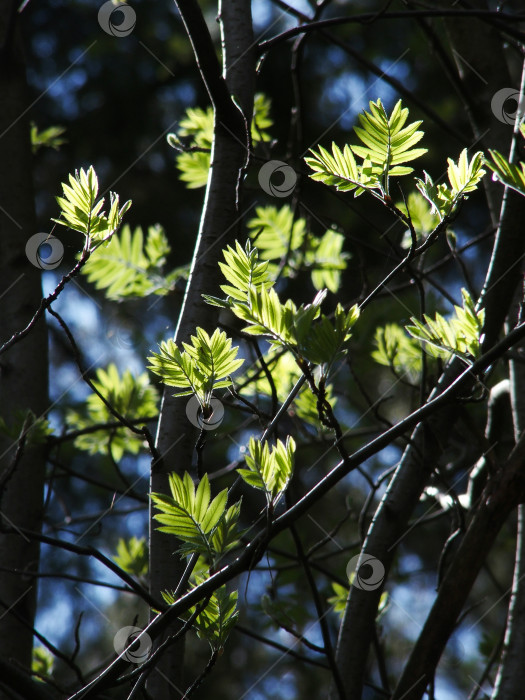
507,20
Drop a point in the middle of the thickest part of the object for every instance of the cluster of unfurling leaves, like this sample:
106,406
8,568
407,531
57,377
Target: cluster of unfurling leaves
460,335
207,527
204,365
387,144
269,470
47,138
83,212
463,177
215,620
204,525
303,330
123,263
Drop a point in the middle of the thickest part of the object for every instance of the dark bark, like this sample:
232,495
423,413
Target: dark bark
218,227
23,371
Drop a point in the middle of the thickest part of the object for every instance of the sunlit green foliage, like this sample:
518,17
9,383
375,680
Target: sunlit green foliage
215,622
42,662
397,350
269,470
510,174
463,178
132,556
132,397
200,368
281,237
303,330
388,144
81,211
194,518
340,597
421,214
460,335
327,260
48,138
128,266
195,135
275,232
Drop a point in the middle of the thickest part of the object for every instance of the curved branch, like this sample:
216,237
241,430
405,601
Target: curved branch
509,20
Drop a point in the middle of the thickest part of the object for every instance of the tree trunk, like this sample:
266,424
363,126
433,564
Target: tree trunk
23,371
218,227
510,679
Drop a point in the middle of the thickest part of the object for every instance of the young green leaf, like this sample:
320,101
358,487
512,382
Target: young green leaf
326,259
42,661
464,177
81,211
510,174
327,341
133,397
48,138
340,170
460,336
269,471
388,144
132,556
193,517
202,366
129,267
215,622
226,535
423,217
276,232
242,269
397,350
339,599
